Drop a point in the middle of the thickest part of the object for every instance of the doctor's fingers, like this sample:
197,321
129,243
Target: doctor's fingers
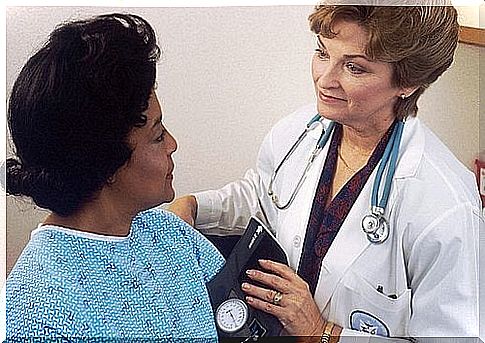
284,278
279,269
298,319
268,295
272,281
276,310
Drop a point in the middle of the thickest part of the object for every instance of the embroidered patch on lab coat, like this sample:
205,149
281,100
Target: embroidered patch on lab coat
366,322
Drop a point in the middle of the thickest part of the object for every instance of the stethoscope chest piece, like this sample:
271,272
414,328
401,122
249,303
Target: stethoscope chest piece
376,228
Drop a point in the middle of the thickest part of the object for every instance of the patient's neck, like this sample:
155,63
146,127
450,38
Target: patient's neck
100,217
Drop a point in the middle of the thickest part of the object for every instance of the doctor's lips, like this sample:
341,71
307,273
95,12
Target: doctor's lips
329,99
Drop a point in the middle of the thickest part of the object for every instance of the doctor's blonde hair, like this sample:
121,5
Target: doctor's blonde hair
419,41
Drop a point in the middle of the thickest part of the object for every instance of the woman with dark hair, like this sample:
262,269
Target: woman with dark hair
399,260
91,147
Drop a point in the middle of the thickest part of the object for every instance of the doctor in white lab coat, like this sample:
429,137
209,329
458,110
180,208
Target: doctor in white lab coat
422,281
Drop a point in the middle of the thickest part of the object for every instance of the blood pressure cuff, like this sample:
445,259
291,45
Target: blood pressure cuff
256,243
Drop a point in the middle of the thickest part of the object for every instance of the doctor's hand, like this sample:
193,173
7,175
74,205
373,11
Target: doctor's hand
286,296
185,207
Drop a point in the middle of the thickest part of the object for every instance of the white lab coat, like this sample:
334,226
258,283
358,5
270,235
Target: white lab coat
429,262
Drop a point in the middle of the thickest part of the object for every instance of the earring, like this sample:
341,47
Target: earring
403,96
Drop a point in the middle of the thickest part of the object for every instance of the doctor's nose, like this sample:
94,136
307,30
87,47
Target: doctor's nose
325,75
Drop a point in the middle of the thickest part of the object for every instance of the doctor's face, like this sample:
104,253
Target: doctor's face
352,89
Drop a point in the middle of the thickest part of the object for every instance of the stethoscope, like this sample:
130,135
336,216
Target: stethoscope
374,224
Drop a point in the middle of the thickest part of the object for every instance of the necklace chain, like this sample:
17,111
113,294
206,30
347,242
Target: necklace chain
345,162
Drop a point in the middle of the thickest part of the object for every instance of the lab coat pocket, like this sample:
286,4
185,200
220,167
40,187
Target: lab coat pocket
369,309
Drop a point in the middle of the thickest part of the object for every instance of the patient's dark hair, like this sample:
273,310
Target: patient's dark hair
73,105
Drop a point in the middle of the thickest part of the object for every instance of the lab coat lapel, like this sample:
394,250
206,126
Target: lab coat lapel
347,246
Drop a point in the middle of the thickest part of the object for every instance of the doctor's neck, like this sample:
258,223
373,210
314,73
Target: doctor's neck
364,139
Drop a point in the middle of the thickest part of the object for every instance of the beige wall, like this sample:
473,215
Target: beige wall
227,74
482,96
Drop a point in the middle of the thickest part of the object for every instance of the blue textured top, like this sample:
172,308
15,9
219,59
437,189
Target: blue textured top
150,284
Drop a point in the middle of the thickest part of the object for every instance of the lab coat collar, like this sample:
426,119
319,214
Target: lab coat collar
411,149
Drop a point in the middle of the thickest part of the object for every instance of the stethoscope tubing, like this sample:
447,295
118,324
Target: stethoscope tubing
377,233
316,151
392,163
392,152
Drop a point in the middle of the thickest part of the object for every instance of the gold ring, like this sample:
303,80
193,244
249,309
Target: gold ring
277,298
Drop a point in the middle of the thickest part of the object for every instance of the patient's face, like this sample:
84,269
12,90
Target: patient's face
146,180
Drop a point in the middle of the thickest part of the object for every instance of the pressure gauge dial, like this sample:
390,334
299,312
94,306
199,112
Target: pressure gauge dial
231,315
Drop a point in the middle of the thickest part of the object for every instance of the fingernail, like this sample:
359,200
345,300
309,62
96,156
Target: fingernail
249,299
264,261
245,286
250,272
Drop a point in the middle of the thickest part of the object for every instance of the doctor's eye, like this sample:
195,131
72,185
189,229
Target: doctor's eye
354,68
321,53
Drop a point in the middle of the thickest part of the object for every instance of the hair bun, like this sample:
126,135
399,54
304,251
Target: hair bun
43,187
16,177
27,181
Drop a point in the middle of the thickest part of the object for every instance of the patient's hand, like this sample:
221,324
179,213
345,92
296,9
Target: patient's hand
185,207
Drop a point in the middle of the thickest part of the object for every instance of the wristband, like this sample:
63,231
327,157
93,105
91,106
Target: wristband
325,338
